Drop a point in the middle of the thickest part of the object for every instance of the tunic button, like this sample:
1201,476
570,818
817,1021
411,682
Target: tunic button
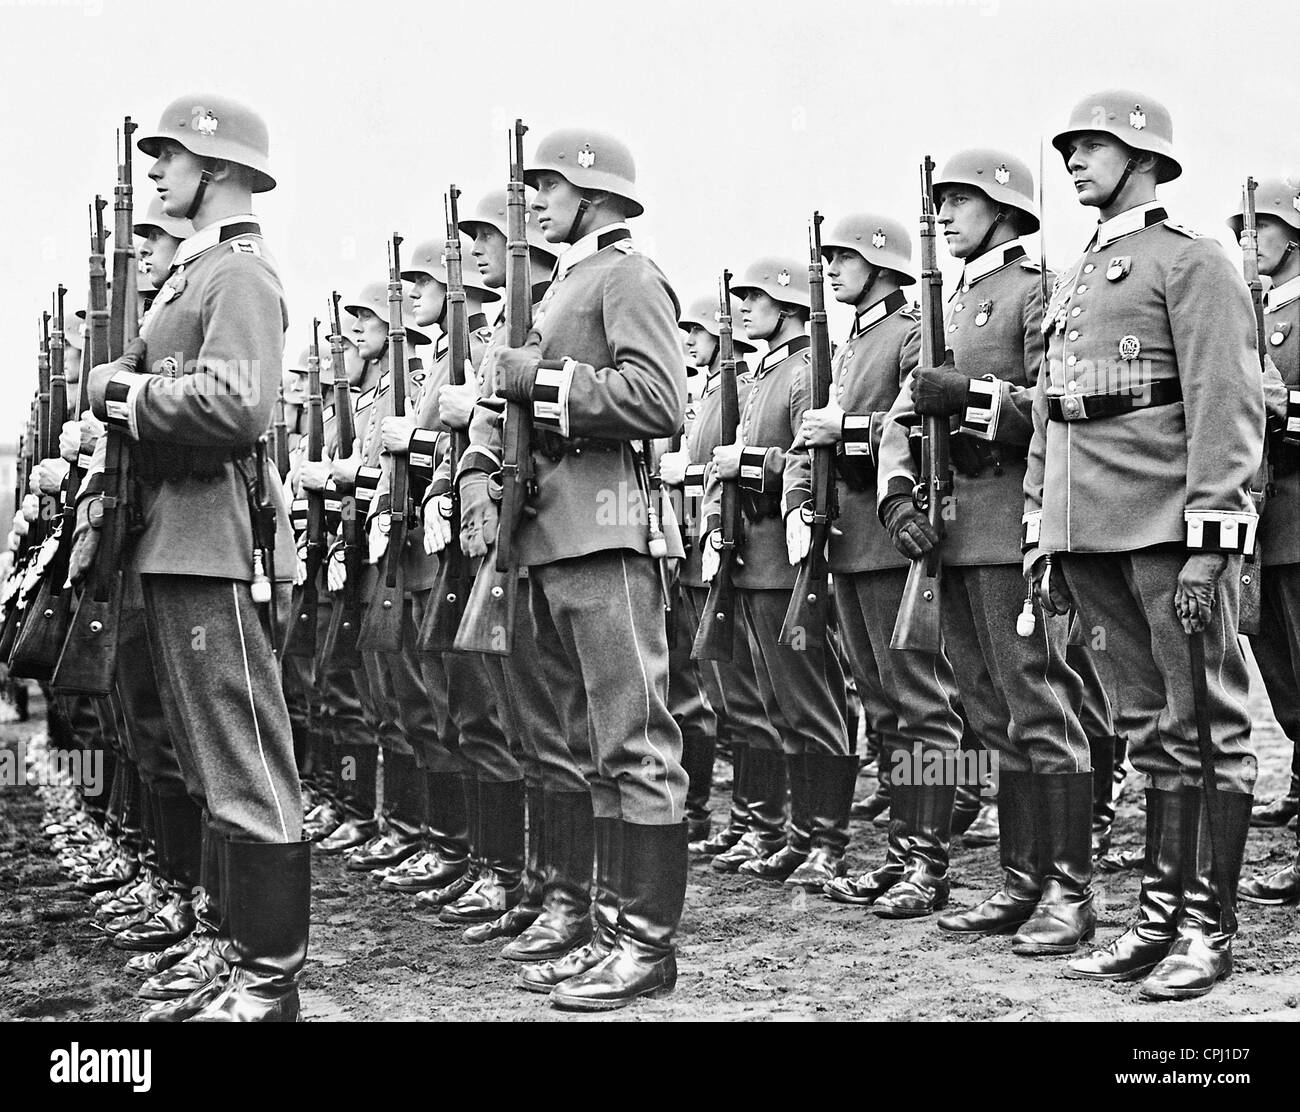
1083,289
1076,311
952,328
1074,334
1089,269
1071,360
960,307
1071,385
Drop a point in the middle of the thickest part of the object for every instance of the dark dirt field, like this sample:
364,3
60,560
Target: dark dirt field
749,950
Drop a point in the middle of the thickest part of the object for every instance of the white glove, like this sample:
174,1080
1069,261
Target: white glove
798,536
437,524
710,560
336,571
672,468
313,476
377,538
300,568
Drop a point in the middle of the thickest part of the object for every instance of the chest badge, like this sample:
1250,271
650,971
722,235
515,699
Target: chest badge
1281,331
982,316
172,289
1119,267
1130,347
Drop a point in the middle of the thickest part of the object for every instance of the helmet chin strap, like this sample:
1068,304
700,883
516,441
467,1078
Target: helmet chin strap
983,244
1129,167
870,284
571,236
205,179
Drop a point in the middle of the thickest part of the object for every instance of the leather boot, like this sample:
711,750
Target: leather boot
984,830
796,836
268,903
1279,811
876,806
446,856
606,895
1274,890
927,814
565,921
1065,915
461,880
358,772
1140,948
523,915
966,808
831,780
404,810
500,851
738,823
870,886
697,760
643,962
180,829
1013,903
322,820
1103,793
1201,955
765,793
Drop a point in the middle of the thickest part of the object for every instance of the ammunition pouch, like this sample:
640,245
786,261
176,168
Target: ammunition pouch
757,507
972,457
153,463
858,473
555,447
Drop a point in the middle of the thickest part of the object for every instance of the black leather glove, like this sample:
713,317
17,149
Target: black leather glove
908,527
939,391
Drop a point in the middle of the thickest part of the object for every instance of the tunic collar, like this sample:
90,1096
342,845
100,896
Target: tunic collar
588,245
232,227
1004,254
782,353
1282,295
873,314
1130,221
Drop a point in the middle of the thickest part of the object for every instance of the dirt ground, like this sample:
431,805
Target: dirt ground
749,950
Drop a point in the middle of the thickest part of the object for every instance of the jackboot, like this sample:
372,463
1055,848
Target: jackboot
1275,889
523,915
798,831
1140,948
463,875
606,895
322,820
1280,811
927,814
499,848
565,921
1022,883
446,839
268,904
871,885
875,806
738,821
180,830
966,808
1201,956
983,831
643,962
765,795
358,766
697,760
831,780
404,810
1065,915
1103,793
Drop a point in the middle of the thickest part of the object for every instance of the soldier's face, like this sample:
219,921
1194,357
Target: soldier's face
370,334
760,315
428,296
554,205
848,274
295,387
72,359
700,346
1096,162
1274,235
490,254
354,364
175,174
157,250
965,214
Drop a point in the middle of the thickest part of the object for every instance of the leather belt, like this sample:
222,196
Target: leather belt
1092,407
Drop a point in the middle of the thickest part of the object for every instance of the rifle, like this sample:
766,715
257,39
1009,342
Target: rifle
301,637
456,573
88,662
1251,570
45,625
715,639
918,624
488,625
381,629
809,610
345,617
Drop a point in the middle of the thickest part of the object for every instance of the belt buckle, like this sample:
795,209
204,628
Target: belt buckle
1072,408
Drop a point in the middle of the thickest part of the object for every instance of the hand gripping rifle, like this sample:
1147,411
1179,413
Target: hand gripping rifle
805,620
715,639
455,578
1251,569
301,638
382,627
918,624
488,625
88,662
340,648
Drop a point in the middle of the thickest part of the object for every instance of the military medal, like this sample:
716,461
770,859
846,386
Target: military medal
982,317
1129,347
1280,332
1119,267
172,289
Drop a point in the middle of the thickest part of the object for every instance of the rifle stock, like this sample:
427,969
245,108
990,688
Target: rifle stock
919,624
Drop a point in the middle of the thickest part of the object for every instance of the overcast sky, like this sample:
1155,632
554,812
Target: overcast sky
743,117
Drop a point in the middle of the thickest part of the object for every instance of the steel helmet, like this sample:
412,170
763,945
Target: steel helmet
878,239
491,213
430,258
374,296
1000,176
1135,119
174,226
1279,197
213,126
783,280
704,312
587,160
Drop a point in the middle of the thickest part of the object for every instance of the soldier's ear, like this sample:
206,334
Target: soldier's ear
1145,161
